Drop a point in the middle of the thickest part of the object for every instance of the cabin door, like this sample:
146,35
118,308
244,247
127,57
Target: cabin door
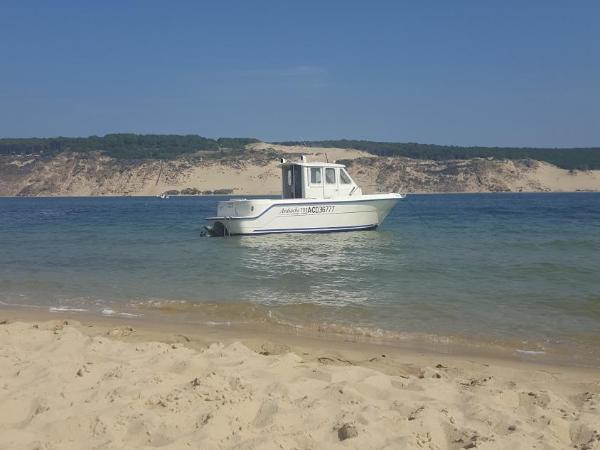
314,182
297,177
330,186
292,182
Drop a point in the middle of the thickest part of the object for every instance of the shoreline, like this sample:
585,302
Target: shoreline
117,382
252,323
278,194
166,326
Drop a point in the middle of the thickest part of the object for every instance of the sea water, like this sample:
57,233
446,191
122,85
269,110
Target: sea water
521,270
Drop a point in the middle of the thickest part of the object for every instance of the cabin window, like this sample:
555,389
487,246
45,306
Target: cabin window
289,176
315,175
330,176
344,178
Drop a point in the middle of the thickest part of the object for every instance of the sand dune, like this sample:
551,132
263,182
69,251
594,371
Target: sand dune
114,388
257,172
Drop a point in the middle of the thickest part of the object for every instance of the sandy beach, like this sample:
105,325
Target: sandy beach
89,382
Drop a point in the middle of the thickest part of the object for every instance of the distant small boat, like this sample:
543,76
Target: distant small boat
163,195
316,197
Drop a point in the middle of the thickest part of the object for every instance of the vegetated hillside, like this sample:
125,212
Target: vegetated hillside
139,165
95,174
394,174
124,146
566,158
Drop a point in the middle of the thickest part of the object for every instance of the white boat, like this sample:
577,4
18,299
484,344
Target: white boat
316,197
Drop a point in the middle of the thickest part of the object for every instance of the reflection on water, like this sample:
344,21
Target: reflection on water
329,269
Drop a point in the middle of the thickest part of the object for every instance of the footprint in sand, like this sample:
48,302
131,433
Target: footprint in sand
584,438
587,401
531,399
265,414
121,332
334,361
37,407
270,348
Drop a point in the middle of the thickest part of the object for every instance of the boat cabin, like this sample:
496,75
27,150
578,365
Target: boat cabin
316,180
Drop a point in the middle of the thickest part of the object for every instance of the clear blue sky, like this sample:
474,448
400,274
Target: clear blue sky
518,73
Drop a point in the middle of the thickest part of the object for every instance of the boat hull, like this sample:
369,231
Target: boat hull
301,216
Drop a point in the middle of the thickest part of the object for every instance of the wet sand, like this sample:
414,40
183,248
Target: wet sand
80,381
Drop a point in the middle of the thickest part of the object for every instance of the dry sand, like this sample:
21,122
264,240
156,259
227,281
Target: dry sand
96,384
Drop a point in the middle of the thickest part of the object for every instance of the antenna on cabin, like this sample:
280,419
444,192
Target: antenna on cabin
304,144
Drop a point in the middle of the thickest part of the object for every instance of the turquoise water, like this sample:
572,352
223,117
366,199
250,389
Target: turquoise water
514,269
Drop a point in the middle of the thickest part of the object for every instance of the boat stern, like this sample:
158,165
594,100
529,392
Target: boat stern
233,216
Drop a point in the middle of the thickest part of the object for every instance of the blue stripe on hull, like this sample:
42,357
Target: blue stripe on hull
311,230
